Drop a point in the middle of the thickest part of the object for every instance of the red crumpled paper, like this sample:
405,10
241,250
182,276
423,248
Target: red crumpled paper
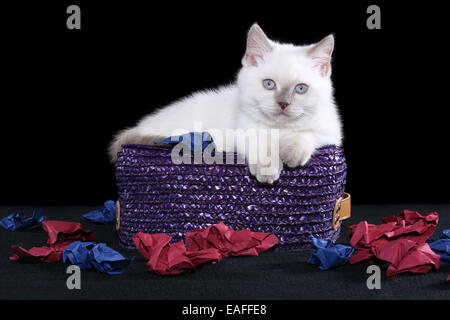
163,257
448,278
63,233
229,242
211,244
60,235
401,241
43,254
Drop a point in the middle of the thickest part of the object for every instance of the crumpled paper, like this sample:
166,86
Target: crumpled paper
399,241
88,255
445,234
419,259
195,141
163,258
18,221
228,241
441,246
211,244
42,254
328,255
60,235
104,215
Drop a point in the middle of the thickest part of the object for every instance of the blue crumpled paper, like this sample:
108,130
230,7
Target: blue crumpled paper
105,215
445,234
441,246
196,141
88,255
328,255
18,221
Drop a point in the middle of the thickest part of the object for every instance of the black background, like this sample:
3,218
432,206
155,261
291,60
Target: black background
66,92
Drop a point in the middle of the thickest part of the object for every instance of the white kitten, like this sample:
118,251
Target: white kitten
280,86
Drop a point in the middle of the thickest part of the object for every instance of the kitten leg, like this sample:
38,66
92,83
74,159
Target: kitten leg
268,170
266,174
130,136
296,149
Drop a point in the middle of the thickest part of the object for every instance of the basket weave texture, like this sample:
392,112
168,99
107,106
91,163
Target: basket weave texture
157,196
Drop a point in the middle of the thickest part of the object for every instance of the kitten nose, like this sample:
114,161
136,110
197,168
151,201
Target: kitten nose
283,105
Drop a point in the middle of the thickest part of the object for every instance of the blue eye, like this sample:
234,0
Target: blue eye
301,88
269,84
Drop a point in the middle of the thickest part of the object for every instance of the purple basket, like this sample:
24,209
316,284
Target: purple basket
157,196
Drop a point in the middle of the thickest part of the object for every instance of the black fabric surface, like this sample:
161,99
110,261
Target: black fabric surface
272,275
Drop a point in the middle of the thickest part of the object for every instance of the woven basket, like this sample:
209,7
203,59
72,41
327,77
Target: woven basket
156,196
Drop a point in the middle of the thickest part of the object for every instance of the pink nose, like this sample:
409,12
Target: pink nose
283,105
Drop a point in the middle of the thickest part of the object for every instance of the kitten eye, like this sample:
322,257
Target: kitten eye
301,88
269,84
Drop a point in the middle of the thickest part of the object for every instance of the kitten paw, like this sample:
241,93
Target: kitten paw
296,151
264,174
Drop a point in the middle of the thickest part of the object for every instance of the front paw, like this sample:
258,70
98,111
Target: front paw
296,151
266,174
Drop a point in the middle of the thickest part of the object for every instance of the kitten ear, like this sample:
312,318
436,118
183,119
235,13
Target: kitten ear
257,46
321,54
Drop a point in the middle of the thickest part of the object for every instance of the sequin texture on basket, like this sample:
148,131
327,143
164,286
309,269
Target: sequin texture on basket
157,196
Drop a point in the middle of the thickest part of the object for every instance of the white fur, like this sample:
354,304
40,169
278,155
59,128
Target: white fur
310,121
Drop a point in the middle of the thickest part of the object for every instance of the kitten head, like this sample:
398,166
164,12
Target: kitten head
283,83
